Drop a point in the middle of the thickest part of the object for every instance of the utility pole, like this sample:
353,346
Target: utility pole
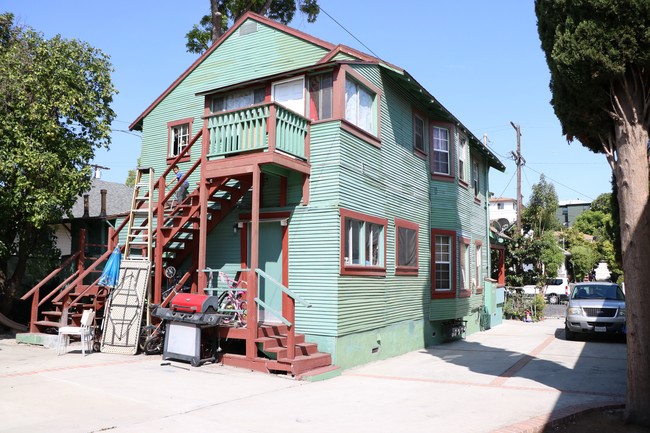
520,161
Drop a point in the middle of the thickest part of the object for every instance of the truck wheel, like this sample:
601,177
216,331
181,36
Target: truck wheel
568,334
553,299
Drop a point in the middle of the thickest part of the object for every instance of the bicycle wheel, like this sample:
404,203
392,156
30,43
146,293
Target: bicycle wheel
145,333
154,344
228,311
243,315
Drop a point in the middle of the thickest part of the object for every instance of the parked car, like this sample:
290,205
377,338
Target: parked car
556,290
595,308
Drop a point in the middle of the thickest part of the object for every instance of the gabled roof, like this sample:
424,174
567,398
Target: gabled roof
137,123
399,74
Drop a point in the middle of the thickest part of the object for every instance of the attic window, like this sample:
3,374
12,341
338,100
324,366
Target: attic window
247,28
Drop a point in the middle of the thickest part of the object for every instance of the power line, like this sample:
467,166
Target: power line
560,183
348,32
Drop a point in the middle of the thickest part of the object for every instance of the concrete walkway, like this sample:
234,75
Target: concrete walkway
513,378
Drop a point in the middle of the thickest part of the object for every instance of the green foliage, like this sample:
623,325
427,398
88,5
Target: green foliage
518,306
200,37
603,203
589,45
130,178
56,98
539,213
531,259
584,259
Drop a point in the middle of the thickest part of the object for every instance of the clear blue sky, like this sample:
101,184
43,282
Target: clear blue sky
481,59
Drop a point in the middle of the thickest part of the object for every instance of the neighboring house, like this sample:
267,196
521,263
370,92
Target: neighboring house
95,212
333,173
569,210
503,210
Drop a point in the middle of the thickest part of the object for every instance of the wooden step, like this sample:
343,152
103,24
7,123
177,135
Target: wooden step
300,364
279,340
301,349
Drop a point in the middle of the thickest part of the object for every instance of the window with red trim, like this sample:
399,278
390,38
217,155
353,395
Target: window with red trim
406,247
418,133
320,96
363,244
478,247
464,285
440,139
179,136
443,266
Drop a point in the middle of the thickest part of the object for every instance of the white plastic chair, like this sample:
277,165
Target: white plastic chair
84,331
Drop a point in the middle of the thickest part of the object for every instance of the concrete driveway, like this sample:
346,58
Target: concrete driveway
515,377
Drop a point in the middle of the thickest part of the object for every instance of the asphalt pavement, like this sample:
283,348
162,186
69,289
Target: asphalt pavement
516,377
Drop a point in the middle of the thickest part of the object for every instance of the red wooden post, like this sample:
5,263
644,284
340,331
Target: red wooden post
272,127
251,347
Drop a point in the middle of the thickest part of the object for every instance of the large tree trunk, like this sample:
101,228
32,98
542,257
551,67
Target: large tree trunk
632,182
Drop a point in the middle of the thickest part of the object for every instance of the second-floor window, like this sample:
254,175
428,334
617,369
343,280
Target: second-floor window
462,159
440,151
359,106
320,96
476,178
239,99
500,206
418,133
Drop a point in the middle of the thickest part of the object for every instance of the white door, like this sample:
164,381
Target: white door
291,94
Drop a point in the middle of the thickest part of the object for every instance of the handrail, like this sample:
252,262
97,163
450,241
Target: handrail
165,173
56,289
260,127
282,287
273,310
290,310
81,277
52,274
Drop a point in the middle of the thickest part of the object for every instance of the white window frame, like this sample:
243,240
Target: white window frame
356,112
295,105
443,261
363,244
462,159
179,138
464,283
441,147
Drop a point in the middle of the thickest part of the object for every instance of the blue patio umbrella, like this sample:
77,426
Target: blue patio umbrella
111,274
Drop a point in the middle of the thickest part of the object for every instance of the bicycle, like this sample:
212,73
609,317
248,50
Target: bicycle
232,304
152,337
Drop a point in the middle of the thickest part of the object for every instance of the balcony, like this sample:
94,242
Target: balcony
264,127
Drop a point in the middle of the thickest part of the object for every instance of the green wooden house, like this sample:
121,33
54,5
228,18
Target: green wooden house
368,199
352,204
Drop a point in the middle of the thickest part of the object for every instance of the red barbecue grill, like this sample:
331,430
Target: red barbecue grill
187,315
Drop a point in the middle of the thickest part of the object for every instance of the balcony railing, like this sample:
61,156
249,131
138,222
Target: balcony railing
260,127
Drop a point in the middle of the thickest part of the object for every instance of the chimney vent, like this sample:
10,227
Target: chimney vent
86,206
102,212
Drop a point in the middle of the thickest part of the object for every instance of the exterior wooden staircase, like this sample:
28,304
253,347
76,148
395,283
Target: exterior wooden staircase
271,342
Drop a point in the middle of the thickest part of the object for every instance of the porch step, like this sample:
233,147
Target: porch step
301,349
300,364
